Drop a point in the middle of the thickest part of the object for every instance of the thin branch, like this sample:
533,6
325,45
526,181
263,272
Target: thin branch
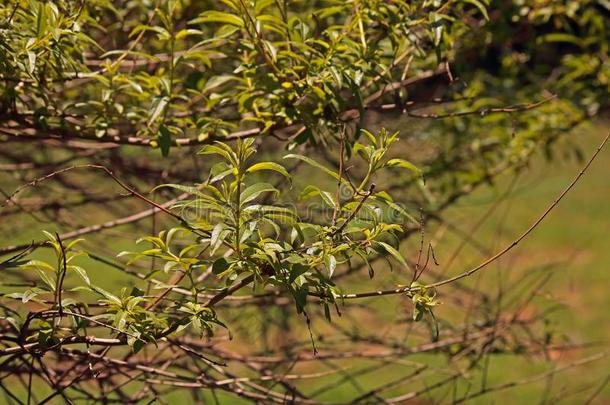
532,227
402,290
97,227
61,275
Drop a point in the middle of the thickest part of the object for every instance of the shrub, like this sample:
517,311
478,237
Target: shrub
266,137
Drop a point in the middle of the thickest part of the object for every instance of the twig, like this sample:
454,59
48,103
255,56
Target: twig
228,291
61,275
532,227
96,228
341,166
91,340
402,290
354,212
529,380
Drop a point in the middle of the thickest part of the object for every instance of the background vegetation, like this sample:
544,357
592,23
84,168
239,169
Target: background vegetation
303,202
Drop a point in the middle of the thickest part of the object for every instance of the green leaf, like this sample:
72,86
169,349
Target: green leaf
300,297
329,11
37,265
165,140
256,190
138,345
296,235
269,166
331,264
29,294
70,246
110,297
392,251
46,278
317,165
312,191
328,199
82,273
561,37
220,266
217,81
297,270
418,312
221,175
43,337
41,20
184,189
367,262
216,233
218,17
158,106
219,149
31,62
480,6
404,164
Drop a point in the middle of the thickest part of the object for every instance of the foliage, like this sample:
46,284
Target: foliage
274,127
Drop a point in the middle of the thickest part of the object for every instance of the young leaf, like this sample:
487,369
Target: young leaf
218,17
404,164
255,190
269,166
331,264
